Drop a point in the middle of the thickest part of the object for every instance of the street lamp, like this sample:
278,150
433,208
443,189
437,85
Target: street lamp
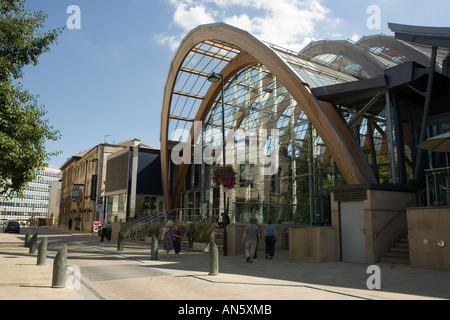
215,78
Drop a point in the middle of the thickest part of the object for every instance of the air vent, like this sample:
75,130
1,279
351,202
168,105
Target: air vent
350,195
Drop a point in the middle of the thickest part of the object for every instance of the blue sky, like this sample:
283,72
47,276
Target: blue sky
105,81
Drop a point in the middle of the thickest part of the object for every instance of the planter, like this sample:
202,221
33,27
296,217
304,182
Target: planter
200,246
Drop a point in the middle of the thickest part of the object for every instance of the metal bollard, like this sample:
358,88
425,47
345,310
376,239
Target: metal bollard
60,269
213,259
27,239
120,242
154,252
32,244
42,253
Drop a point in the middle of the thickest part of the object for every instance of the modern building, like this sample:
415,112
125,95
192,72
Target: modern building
133,183
85,183
35,203
340,121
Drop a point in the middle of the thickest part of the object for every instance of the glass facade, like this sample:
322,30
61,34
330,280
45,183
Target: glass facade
35,201
382,122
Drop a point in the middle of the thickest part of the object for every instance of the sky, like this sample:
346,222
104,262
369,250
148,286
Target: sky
104,79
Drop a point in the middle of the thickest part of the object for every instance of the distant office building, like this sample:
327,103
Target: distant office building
36,200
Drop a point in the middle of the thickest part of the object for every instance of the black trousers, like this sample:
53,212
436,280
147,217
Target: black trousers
270,245
105,234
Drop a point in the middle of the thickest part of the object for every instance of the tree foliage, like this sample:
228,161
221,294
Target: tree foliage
23,128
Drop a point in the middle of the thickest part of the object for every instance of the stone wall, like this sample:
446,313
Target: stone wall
427,227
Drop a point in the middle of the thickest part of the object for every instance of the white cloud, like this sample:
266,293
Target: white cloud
172,41
287,23
189,17
355,37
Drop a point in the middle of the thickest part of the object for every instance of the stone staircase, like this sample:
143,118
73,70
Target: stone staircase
399,253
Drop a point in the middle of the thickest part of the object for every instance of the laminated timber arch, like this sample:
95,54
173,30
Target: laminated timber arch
325,118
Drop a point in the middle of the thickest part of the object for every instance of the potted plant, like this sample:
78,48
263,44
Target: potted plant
154,229
204,232
224,177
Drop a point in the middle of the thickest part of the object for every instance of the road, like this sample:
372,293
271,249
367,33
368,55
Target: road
101,273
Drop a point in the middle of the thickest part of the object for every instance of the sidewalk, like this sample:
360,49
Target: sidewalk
130,275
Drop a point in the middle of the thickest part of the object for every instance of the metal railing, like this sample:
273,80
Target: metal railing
282,214
438,187
191,215
400,213
138,229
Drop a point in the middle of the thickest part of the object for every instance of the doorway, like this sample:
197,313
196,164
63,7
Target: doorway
353,234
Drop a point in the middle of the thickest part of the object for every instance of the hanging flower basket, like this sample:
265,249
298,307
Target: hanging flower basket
224,177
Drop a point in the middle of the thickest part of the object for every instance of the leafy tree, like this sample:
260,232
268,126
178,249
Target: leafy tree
23,128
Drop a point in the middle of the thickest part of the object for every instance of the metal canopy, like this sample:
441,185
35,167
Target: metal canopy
429,36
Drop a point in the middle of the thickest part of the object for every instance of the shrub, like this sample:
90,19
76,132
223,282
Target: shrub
204,231
154,229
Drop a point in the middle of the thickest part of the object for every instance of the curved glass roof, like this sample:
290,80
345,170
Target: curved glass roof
254,98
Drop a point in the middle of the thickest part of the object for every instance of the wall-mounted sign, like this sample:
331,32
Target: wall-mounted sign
76,192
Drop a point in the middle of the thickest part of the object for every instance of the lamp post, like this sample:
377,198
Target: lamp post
214,78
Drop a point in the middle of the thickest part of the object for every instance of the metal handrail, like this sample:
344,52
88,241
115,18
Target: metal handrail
397,215
140,225
389,223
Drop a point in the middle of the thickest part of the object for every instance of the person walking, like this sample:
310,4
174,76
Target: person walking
177,239
270,238
70,224
250,238
168,237
105,227
257,243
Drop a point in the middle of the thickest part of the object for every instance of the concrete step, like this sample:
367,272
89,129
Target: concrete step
402,244
400,249
397,254
396,260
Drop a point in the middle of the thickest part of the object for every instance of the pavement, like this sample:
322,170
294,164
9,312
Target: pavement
99,272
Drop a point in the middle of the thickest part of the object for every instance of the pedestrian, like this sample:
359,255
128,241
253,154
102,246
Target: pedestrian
257,243
250,238
70,224
105,227
177,239
271,238
225,220
168,237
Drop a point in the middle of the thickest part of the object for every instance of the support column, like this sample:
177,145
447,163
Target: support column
426,112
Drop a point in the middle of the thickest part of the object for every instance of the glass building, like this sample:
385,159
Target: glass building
335,113
36,199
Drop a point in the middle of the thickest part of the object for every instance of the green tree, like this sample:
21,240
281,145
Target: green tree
23,128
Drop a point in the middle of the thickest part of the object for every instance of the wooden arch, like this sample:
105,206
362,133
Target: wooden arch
325,118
